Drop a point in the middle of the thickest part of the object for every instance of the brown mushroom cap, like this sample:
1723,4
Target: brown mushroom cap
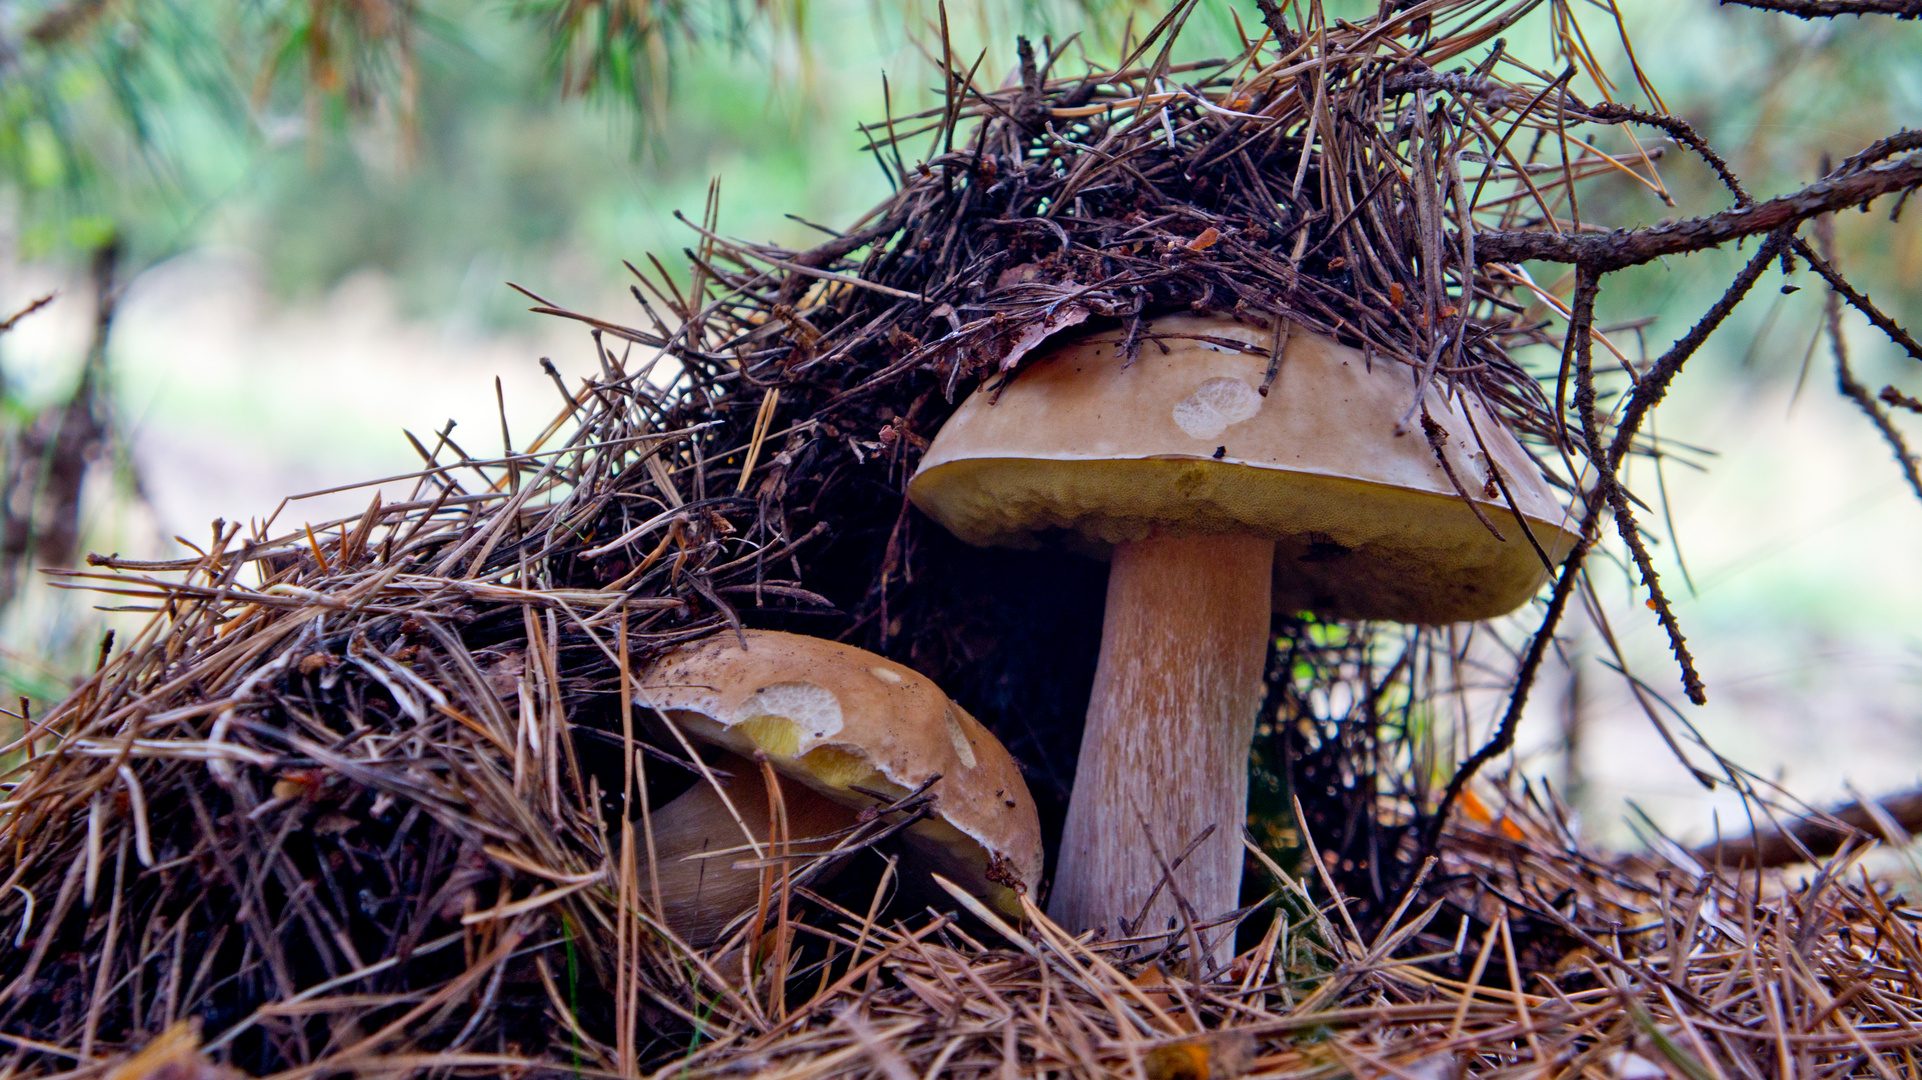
836,718
1366,524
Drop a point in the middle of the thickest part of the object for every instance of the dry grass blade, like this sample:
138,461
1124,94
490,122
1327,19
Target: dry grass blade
363,797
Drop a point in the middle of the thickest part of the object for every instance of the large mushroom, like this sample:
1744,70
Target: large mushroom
836,722
1215,501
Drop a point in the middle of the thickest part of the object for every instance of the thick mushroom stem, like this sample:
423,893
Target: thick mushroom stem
700,896
1164,754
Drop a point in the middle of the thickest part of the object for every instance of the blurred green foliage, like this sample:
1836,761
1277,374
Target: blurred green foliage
91,136
1777,97
439,139
446,145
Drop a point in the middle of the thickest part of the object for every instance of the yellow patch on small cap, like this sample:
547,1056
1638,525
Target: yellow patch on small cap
839,767
777,735
885,675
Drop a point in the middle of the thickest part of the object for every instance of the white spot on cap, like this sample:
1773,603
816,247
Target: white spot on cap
813,709
960,739
1216,405
885,675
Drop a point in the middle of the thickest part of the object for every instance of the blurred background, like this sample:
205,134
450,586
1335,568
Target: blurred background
277,233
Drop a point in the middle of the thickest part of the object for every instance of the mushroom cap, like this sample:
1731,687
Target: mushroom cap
837,718
1083,448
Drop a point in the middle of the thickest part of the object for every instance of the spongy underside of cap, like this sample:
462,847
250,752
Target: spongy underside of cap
1344,548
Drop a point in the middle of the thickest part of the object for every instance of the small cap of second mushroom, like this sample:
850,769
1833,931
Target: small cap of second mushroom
843,721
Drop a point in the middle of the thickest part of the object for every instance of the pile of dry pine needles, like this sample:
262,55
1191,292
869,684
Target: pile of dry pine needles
356,801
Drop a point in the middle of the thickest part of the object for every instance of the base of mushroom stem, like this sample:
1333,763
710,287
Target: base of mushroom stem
1164,755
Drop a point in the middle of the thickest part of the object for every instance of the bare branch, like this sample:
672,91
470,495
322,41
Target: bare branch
32,307
1679,130
1651,388
1581,316
1631,247
1648,392
1858,300
1504,736
1818,835
1829,9
1881,149
1845,380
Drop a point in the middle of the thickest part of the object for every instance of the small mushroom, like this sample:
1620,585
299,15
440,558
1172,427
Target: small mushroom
1216,503
835,722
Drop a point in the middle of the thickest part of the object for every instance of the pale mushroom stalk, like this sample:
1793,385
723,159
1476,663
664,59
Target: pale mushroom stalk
1165,749
702,890
1202,487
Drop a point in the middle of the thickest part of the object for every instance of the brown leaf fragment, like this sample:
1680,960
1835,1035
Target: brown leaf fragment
1036,332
